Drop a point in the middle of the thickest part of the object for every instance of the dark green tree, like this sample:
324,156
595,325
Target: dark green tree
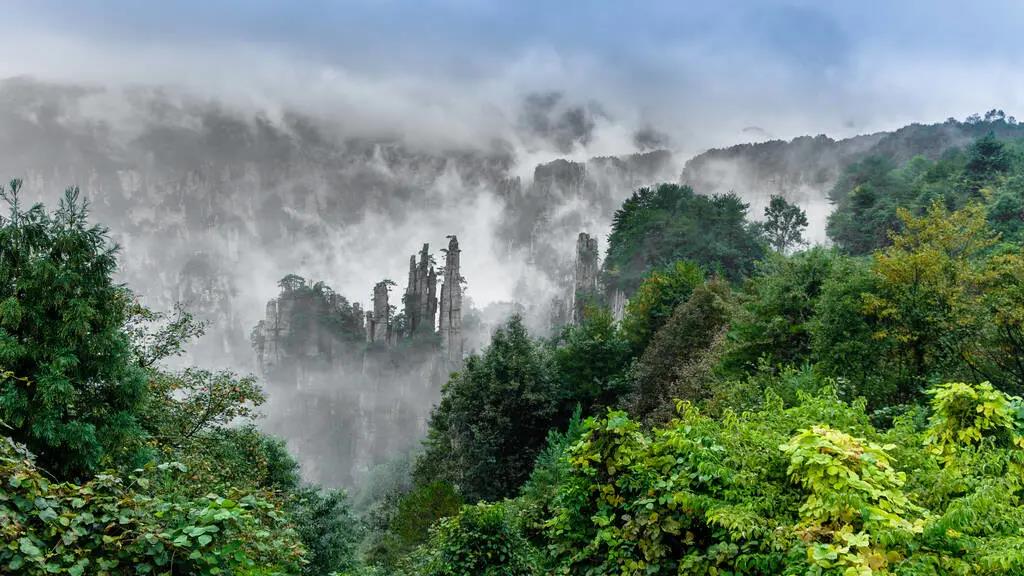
591,358
987,159
772,325
420,509
680,358
784,224
328,529
493,418
842,336
77,389
658,226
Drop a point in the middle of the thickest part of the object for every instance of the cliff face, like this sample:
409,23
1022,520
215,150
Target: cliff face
212,205
451,306
585,289
358,387
543,216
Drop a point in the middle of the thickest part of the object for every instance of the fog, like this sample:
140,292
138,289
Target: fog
227,145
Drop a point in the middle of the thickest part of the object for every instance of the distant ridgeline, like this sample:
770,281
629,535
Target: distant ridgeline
352,387
810,165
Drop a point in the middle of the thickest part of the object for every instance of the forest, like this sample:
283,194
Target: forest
763,406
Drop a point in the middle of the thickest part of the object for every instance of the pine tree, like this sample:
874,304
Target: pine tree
69,385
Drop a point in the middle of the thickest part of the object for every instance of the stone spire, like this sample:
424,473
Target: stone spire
378,322
451,304
421,293
585,284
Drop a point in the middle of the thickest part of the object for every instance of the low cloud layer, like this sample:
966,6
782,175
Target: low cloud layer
230,143
698,72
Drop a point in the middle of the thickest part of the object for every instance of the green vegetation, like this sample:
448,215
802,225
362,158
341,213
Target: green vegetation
75,396
493,418
759,410
846,411
870,192
784,224
653,302
113,464
658,226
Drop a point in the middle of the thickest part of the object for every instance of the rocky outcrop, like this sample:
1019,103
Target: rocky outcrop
421,294
306,322
378,322
585,285
450,325
354,387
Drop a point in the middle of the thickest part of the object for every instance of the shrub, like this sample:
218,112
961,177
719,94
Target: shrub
482,540
111,527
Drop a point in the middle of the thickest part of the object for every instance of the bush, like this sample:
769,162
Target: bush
778,491
482,540
108,526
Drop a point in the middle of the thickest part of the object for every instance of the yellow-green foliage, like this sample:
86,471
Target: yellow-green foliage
812,489
964,414
854,495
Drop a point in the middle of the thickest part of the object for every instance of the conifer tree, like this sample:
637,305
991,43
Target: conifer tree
71,388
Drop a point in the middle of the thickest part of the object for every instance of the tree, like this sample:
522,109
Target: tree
987,159
420,509
591,358
677,363
326,526
655,300
157,336
493,418
842,336
183,406
773,323
658,226
923,302
784,224
78,389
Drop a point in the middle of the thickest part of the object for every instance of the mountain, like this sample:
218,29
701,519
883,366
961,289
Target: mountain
212,205
805,169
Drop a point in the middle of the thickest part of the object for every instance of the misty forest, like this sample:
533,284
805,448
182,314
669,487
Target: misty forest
254,338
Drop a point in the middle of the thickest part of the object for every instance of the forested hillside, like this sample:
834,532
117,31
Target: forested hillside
806,168
763,407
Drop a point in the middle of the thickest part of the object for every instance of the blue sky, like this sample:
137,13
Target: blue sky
702,71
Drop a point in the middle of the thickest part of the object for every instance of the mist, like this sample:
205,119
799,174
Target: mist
227,146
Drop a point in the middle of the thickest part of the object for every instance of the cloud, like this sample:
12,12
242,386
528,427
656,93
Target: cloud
648,138
527,73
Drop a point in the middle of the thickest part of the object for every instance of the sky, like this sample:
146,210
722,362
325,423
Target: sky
705,73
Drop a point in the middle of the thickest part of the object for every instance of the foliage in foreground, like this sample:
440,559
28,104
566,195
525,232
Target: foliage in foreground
482,539
137,525
189,484
76,396
811,489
